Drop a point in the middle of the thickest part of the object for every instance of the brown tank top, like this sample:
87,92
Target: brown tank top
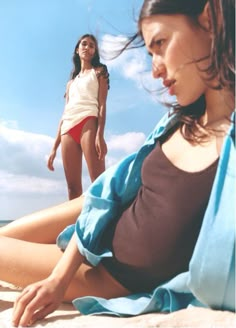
154,238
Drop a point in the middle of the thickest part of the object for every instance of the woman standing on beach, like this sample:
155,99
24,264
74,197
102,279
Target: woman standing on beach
81,129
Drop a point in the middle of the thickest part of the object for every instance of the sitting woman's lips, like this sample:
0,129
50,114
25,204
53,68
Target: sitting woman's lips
171,89
170,85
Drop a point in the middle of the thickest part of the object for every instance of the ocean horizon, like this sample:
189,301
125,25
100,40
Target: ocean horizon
4,222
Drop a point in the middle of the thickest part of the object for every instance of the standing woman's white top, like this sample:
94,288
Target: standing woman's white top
82,100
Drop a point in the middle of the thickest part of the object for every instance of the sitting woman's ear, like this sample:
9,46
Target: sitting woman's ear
205,18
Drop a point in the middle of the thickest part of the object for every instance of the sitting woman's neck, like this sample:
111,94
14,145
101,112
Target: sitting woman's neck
219,106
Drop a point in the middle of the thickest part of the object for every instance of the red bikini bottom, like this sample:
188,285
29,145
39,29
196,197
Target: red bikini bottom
75,132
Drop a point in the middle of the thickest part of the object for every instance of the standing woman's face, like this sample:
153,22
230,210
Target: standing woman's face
86,49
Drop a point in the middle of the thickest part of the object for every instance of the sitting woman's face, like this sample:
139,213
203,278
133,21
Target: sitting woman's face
180,51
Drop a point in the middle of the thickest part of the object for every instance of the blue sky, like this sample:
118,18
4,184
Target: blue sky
37,42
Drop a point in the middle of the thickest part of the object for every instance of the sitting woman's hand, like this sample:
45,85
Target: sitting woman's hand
37,301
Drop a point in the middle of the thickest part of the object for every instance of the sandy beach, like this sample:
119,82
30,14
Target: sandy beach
67,316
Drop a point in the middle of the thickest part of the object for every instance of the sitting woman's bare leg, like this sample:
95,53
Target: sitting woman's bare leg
44,226
23,263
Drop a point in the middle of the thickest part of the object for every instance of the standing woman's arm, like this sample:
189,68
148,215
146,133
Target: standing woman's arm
100,143
54,148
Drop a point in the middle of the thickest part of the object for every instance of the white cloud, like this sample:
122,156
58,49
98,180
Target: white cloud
128,142
25,182
9,124
12,183
131,63
26,153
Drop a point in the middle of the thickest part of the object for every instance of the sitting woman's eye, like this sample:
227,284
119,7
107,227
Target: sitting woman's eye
159,42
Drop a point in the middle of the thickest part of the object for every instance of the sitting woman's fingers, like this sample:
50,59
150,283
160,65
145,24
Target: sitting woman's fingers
43,312
32,304
21,304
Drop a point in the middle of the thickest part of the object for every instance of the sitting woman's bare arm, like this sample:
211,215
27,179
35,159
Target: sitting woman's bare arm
45,225
43,297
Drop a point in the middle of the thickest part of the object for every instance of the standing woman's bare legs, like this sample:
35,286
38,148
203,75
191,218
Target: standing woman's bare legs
72,162
88,134
44,226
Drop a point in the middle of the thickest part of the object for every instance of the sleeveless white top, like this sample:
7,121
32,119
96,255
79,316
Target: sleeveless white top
82,100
